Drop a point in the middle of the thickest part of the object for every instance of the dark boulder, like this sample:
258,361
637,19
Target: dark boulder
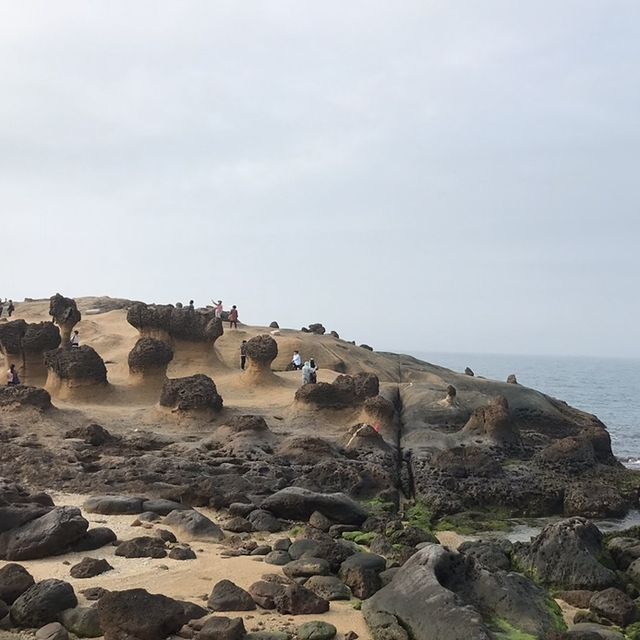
264,593
295,503
11,334
306,567
227,596
567,554
274,325
262,520
14,581
142,547
221,628
25,396
491,554
317,328
83,622
47,535
136,614
624,551
65,314
192,525
40,337
182,553
328,587
346,391
42,603
296,600
77,364
89,568
113,505
594,500
614,605
92,434
193,393
149,355
262,349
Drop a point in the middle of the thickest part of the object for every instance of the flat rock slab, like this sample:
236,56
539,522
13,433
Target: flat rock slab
114,505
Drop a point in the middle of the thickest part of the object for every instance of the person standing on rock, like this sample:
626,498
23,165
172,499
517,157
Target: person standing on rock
217,308
243,354
233,317
11,308
191,307
1,307
75,339
296,361
12,376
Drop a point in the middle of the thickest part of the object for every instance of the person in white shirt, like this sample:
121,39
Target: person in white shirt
75,339
296,360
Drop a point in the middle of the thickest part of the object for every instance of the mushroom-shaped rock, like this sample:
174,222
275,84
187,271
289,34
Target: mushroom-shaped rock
379,412
148,360
468,372
494,422
317,328
65,314
24,345
364,436
450,399
346,391
192,394
511,379
75,370
261,352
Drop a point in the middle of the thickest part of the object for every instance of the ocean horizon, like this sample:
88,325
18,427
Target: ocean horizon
604,386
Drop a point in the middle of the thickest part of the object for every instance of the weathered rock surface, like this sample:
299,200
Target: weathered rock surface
89,568
78,366
48,535
227,596
42,603
193,393
136,614
566,555
149,357
345,391
192,525
14,581
25,396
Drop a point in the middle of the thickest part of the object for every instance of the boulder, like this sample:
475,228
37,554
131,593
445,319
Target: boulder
42,603
442,595
278,558
566,555
317,328
193,393
65,314
72,369
113,505
594,500
89,568
296,503
21,396
328,587
306,567
491,554
316,630
264,593
136,614
221,628
296,600
149,359
346,391
52,631
14,581
83,622
94,539
262,520
182,553
92,434
192,525
614,605
48,535
227,596
142,547
623,551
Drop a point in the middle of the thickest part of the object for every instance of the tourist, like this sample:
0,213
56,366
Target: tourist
233,317
1,307
243,354
75,339
10,308
217,308
296,361
309,375
12,376
191,307
314,371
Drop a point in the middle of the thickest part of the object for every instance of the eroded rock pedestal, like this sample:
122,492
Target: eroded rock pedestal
76,373
261,352
148,361
65,314
24,344
191,396
191,334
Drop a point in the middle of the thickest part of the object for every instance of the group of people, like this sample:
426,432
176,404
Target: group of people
309,368
232,317
10,307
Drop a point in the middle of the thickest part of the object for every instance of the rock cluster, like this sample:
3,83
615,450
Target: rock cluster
346,391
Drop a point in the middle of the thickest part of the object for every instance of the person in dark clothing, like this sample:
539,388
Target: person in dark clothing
243,354
12,375
233,317
10,308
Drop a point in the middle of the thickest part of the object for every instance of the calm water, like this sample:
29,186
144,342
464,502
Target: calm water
606,387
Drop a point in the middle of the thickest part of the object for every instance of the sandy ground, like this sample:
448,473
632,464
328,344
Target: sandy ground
190,580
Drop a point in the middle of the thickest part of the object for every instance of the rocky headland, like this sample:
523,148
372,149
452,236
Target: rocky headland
152,489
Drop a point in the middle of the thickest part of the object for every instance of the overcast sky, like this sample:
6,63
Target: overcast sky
432,175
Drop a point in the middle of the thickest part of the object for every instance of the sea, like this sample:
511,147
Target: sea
606,387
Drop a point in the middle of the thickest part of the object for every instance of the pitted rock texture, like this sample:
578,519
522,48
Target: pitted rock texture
191,394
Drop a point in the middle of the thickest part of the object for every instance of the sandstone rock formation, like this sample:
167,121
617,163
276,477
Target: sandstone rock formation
494,423
65,314
75,373
25,344
261,352
23,396
148,361
346,391
191,334
193,394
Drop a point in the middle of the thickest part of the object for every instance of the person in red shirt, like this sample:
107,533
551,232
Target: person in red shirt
233,317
